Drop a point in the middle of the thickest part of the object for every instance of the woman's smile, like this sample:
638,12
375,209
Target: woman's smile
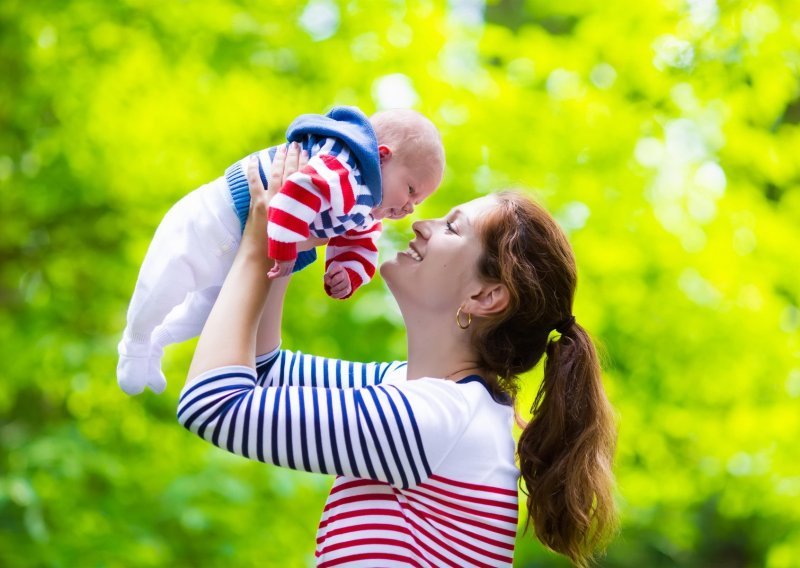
413,252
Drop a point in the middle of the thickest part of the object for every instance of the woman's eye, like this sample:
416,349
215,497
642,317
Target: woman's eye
449,226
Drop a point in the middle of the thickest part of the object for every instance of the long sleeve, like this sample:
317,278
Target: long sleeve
327,182
395,433
282,367
357,251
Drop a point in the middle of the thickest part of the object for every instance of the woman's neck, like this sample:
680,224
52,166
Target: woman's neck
440,351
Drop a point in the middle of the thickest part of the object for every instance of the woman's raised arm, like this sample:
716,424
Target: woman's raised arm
229,336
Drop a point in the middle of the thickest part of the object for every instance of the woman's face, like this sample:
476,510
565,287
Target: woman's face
440,264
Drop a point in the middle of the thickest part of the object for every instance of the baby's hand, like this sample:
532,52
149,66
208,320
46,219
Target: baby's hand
337,281
280,269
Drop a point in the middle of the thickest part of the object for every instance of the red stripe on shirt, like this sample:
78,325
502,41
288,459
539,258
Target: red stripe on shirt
440,512
473,486
361,242
453,527
357,499
486,514
343,173
462,542
449,561
352,255
355,541
366,541
433,552
318,180
302,195
469,498
288,221
370,527
278,250
369,556
361,513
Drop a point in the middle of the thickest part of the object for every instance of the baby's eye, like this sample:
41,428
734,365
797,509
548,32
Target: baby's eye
410,190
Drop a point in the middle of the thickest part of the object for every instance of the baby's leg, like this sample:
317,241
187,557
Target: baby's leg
187,320
191,250
184,322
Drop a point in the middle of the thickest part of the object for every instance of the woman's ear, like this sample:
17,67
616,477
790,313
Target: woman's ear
491,299
384,152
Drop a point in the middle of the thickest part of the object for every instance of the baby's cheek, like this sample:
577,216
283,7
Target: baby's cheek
389,195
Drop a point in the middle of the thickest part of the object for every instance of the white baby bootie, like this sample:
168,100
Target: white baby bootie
155,377
139,367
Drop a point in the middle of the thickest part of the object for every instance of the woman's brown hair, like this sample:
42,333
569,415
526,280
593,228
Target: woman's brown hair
566,451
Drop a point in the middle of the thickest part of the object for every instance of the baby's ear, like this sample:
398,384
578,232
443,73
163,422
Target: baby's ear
384,152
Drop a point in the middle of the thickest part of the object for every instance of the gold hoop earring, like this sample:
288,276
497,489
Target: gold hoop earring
458,318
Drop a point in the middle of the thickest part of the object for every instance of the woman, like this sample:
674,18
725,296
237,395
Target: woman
423,451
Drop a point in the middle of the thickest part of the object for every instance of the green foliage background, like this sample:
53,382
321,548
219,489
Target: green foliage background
663,135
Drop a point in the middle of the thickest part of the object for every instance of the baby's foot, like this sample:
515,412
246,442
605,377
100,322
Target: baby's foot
155,377
132,368
139,367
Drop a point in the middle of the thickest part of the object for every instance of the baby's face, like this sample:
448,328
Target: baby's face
403,189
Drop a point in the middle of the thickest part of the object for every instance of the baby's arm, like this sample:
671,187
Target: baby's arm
323,184
355,253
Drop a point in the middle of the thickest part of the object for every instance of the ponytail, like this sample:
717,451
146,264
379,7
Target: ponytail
566,451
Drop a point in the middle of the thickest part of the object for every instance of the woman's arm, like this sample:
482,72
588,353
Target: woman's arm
269,328
398,434
293,368
229,336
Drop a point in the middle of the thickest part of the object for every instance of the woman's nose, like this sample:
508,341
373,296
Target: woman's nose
420,228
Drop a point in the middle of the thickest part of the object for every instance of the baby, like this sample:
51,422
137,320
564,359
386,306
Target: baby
360,170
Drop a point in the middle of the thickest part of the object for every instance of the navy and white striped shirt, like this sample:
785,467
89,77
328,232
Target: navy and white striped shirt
426,467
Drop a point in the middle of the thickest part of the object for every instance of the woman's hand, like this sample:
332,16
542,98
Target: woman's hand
288,159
